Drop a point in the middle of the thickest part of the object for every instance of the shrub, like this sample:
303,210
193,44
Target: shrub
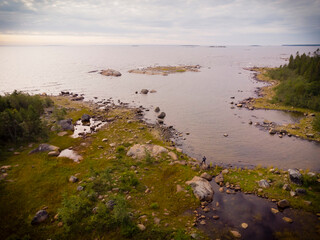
20,116
128,180
316,123
154,205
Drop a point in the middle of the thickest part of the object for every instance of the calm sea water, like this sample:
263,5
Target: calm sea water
194,102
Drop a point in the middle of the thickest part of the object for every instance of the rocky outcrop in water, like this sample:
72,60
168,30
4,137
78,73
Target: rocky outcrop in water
110,72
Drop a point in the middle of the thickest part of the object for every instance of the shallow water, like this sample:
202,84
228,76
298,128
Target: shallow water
235,209
198,103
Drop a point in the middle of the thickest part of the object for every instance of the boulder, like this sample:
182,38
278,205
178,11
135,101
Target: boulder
201,188
218,179
73,179
67,153
162,115
206,176
110,72
40,217
283,203
139,151
173,156
301,191
286,187
144,91
141,227
44,148
66,124
53,153
295,176
85,118
263,183
157,109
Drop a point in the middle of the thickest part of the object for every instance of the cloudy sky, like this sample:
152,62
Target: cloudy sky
200,22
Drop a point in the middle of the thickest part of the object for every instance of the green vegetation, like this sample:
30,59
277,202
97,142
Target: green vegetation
20,117
248,179
299,81
140,190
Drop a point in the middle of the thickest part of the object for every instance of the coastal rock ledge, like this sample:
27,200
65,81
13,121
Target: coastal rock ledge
201,188
110,72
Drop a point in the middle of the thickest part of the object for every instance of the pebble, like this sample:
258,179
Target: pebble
244,225
288,220
236,234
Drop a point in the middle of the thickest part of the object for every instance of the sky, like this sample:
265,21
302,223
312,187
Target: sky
168,22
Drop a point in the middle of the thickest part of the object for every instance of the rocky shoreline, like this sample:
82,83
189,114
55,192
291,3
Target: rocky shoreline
302,130
151,158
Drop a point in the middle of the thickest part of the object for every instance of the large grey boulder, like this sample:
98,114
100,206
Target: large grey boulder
40,217
66,124
295,176
44,147
201,188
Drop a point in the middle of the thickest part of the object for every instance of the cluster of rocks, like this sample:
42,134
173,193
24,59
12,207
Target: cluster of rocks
54,151
74,96
146,91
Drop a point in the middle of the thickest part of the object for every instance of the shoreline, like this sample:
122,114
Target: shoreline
302,130
126,128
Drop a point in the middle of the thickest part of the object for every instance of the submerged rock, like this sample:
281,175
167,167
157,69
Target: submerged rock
201,188
40,217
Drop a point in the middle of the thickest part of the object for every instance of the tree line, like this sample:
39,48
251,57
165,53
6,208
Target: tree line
20,116
299,81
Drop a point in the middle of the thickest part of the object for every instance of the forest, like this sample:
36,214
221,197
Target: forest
299,81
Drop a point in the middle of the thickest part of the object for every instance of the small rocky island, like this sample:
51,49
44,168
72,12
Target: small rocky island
166,70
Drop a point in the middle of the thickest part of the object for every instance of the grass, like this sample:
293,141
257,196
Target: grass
248,179
36,181
306,124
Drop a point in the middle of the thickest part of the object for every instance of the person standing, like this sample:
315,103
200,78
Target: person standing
204,160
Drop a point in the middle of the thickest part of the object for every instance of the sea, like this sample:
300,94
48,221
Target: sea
197,103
